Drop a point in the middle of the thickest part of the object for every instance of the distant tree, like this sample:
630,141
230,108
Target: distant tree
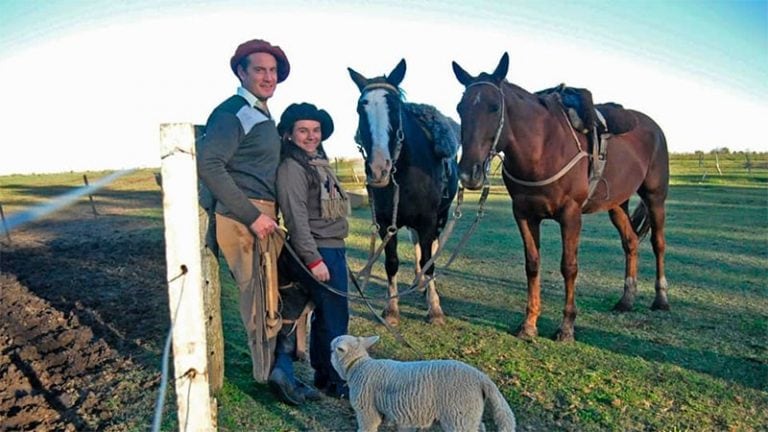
700,154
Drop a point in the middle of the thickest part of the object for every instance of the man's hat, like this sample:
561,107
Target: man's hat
305,111
258,45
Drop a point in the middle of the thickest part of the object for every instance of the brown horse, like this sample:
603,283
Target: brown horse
546,172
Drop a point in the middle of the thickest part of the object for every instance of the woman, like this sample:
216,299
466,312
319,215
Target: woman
314,207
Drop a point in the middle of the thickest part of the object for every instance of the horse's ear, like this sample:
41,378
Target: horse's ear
358,79
501,70
462,75
368,341
398,73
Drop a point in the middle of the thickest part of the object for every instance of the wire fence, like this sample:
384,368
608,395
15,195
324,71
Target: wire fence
15,221
697,167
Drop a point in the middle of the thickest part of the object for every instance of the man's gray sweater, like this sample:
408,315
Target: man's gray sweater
238,157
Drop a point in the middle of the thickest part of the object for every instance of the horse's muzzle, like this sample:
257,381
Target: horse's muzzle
380,182
380,170
472,179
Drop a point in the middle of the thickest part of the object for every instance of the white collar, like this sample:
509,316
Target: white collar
248,96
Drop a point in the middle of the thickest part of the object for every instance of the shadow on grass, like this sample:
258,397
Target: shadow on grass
238,373
746,371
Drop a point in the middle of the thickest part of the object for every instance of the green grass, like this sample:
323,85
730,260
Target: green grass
702,366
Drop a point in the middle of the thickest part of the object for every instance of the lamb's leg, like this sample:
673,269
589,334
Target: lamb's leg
368,421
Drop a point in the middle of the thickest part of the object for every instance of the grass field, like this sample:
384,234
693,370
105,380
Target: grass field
701,366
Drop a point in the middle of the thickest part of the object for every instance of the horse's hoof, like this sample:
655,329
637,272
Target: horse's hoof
622,306
563,336
660,305
438,320
392,318
526,333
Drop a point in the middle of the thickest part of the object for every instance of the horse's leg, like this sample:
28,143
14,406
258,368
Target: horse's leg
529,231
657,216
570,231
620,219
435,313
391,263
414,236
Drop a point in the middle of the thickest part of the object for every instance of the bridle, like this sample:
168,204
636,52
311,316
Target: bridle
374,252
399,135
494,151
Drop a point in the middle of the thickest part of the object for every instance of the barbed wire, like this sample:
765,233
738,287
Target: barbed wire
160,401
62,201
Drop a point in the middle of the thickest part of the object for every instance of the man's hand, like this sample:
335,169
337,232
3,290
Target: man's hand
263,226
321,273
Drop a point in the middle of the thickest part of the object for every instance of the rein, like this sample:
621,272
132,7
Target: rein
417,283
495,151
333,290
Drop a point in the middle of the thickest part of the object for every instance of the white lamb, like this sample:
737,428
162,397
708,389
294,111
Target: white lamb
416,394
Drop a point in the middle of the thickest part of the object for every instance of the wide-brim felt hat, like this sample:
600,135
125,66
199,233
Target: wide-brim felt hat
305,111
258,45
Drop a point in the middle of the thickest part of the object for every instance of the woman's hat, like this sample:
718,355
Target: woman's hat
305,111
258,45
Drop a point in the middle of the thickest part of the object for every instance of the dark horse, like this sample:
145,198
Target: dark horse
410,165
545,170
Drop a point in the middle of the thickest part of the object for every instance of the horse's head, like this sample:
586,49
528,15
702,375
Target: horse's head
482,113
379,129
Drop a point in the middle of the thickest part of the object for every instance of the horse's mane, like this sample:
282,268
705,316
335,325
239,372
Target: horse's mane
443,130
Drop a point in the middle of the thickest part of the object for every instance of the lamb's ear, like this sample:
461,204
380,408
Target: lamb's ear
370,340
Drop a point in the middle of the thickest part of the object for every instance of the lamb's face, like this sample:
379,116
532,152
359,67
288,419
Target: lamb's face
341,347
345,349
342,341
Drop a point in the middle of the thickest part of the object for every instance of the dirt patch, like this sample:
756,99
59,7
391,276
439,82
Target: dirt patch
84,306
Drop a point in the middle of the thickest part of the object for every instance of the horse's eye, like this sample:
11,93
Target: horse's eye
493,108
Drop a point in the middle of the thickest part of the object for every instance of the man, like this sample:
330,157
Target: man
237,161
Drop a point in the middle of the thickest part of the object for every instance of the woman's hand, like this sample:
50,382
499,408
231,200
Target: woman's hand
321,273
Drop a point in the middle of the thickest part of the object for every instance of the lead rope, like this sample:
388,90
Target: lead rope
398,336
417,283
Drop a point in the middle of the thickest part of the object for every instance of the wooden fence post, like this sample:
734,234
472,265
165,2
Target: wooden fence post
717,163
90,196
185,296
211,291
5,224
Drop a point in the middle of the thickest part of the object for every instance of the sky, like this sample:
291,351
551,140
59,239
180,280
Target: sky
84,85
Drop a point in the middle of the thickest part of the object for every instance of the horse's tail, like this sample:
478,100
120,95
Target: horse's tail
501,412
641,223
